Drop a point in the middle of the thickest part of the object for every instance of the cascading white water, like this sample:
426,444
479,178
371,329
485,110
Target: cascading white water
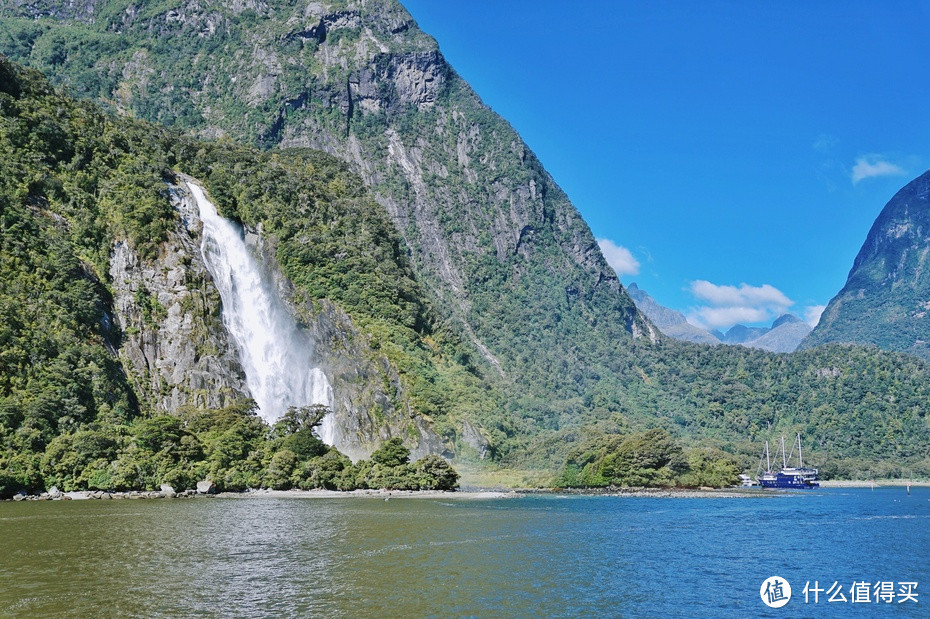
275,353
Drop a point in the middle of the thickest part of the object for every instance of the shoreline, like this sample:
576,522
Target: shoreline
473,493
878,483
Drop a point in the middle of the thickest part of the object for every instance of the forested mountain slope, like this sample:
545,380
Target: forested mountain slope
503,328
495,242
886,299
110,320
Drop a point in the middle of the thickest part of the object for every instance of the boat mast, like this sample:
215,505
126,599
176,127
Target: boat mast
768,463
784,456
800,461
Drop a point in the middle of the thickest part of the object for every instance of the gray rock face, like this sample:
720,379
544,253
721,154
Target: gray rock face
671,323
370,403
174,346
886,299
473,437
785,336
206,487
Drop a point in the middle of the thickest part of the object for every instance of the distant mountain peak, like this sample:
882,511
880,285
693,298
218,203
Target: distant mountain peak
670,322
885,299
785,319
783,336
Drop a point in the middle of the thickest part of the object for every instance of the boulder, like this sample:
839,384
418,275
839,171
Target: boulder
206,487
167,491
54,492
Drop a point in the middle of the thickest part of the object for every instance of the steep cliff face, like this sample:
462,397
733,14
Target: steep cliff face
174,346
499,247
886,299
370,402
177,351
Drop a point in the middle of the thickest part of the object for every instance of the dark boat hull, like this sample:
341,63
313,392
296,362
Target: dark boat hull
788,481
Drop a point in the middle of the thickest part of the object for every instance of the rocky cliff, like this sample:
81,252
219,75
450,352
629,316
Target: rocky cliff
886,299
174,346
177,352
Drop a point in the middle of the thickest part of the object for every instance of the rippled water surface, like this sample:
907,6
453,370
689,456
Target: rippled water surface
533,556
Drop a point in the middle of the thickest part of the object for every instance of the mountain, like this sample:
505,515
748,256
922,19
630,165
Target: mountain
492,238
110,318
783,336
455,297
786,334
886,299
670,322
509,265
741,334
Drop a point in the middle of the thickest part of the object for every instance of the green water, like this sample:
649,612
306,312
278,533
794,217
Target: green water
525,557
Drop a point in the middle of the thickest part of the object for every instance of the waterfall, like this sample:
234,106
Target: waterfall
275,353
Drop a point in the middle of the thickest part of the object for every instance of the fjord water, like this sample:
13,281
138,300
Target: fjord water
532,556
276,355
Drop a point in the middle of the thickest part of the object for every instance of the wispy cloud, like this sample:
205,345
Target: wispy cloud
812,314
825,143
619,258
724,306
871,166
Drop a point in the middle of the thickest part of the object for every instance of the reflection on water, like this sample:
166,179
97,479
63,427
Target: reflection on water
536,556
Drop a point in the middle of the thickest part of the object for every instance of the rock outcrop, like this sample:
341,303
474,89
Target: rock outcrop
886,299
177,351
174,346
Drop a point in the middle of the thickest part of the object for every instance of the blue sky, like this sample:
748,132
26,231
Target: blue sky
733,154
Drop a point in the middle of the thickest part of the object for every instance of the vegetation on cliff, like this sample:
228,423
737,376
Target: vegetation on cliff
886,299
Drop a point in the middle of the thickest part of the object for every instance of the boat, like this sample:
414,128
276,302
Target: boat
789,477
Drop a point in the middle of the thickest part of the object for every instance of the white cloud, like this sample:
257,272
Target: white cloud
619,258
812,314
870,166
726,306
746,295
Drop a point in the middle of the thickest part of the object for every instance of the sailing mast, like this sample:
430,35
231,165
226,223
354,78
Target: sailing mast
800,461
784,456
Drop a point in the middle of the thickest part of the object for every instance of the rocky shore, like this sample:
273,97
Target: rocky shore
204,488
